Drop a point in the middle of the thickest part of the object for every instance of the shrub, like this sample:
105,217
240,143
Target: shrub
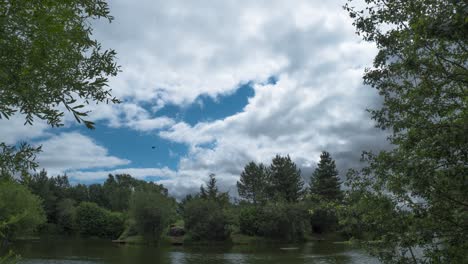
205,220
66,212
93,220
152,212
20,210
248,220
288,222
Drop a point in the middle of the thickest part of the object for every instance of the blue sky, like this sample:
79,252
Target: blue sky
138,146
213,85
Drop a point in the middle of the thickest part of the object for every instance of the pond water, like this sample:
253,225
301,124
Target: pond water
76,251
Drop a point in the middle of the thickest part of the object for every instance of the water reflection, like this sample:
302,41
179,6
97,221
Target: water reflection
76,251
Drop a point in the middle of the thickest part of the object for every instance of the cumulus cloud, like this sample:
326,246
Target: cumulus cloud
173,52
69,151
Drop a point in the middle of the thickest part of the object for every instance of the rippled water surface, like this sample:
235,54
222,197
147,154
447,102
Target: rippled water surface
73,251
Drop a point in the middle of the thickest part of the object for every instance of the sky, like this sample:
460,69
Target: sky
207,86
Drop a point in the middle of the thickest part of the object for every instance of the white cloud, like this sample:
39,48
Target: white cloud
172,52
71,151
14,129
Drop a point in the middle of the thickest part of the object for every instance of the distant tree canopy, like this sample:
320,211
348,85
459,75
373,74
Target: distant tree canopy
324,182
421,73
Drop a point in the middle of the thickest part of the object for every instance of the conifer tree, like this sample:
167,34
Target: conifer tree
253,182
285,179
324,182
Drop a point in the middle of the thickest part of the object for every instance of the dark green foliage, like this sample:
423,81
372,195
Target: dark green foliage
97,195
283,221
183,202
66,213
323,220
41,185
324,183
92,220
48,58
285,180
248,220
205,220
253,182
80,193
205,216
152,212
118,190
421,73
20,210
10,258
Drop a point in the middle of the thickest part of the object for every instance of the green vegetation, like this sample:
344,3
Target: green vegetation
205,215
414,196
92,220
48,58
152,212
20,210
325,184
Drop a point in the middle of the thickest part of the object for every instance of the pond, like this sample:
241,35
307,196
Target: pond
89,251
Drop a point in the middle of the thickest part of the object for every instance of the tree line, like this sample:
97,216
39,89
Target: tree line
273,204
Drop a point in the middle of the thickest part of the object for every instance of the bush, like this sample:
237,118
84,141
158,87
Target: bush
205,220
323,221
20,210
66,212
93,220
288,222
152,212
248,220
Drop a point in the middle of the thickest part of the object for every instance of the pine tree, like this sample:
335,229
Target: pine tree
324,181
285,179
212,189
253,182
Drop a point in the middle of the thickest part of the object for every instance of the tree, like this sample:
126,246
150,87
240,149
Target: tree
253,182
212,193
97,195
49,62
212,189
41,185
48,58
205,220
324,182
421,73
92,220
20,210
14,160
285,179
66,213
118,190
152,212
